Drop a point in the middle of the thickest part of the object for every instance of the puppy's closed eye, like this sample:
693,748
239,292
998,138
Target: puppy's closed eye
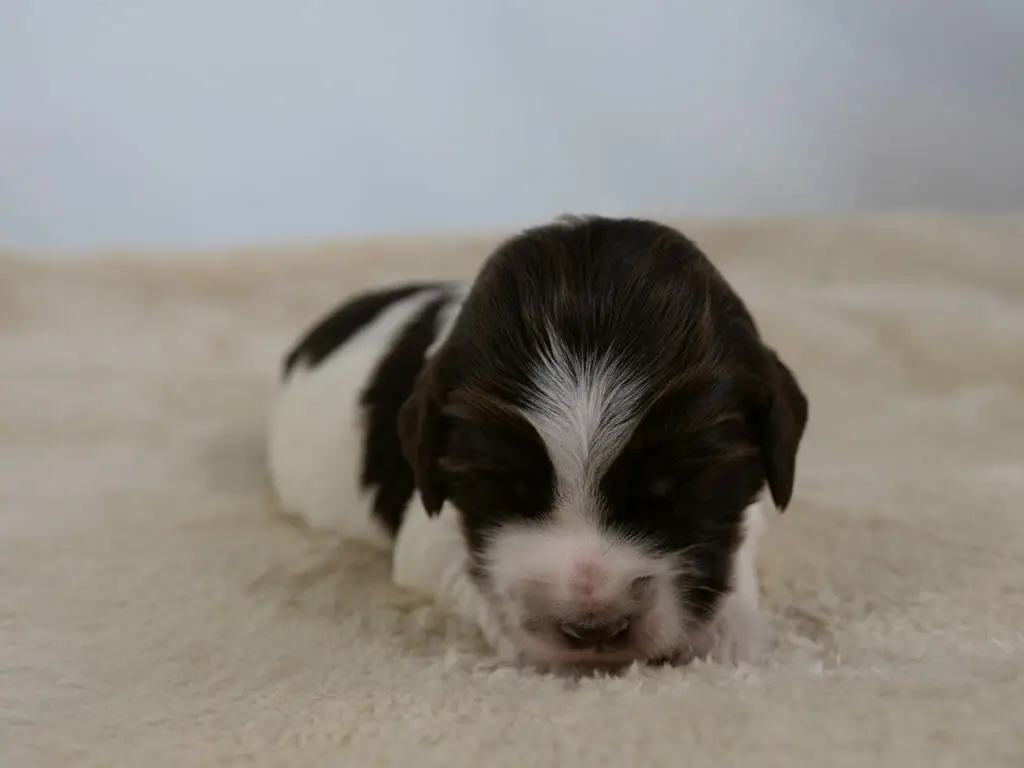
486,470
497,465
683,475
659,488
672,493
486,449
490,490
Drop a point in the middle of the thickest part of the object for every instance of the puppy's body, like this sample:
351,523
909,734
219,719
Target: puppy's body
333,450
334,454
590,426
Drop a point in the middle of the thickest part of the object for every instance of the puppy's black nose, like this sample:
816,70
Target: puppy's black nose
595,634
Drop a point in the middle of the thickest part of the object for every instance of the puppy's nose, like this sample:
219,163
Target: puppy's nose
595,634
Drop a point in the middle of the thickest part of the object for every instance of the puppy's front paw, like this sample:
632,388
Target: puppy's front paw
738,635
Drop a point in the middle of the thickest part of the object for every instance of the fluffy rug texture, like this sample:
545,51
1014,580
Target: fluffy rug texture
156,610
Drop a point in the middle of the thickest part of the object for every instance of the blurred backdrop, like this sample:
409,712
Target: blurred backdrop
185,123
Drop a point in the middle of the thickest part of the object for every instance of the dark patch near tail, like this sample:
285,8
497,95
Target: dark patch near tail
384,464
344,321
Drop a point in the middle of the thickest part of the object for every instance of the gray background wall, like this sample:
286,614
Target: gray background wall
208,122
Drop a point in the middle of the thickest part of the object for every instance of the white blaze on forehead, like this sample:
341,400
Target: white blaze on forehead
584,409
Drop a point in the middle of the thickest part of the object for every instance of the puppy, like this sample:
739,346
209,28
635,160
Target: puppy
570,451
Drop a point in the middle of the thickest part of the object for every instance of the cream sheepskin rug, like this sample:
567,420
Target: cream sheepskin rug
155,610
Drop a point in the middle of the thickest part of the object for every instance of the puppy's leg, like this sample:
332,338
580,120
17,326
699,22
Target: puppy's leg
738,634
430,558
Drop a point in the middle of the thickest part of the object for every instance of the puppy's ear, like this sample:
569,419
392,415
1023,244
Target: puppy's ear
783,419
420,430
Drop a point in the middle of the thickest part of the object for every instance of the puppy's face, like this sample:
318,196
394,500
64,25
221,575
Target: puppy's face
602,415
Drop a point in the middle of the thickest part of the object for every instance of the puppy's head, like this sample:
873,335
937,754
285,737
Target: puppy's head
601,415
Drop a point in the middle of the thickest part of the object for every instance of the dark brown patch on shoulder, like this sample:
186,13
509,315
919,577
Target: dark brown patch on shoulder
344,321
385,468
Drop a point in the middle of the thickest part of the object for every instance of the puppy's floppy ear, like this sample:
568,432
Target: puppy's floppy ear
420,430
782,420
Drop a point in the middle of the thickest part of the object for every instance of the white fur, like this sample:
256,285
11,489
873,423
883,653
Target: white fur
449,314
316,431
431,558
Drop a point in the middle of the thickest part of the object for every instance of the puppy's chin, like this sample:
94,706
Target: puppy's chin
737,635
550,656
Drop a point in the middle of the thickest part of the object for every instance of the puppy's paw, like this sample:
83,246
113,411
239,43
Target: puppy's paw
737,636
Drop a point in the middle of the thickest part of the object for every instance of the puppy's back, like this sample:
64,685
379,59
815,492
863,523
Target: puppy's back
333,451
